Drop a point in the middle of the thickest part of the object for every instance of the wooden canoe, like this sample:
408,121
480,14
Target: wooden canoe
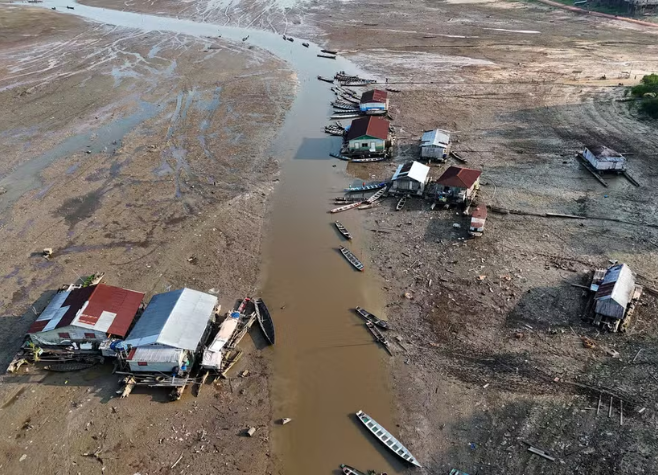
343,230
347,470
372,318
351,258
329,80
329,51
328,56
401,203
386,438
346,207
265,320
359,189
368,160
376,196
379,337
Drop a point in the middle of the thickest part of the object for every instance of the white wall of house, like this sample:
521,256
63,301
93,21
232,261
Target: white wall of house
69,333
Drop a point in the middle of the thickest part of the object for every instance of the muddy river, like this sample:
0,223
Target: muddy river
326,365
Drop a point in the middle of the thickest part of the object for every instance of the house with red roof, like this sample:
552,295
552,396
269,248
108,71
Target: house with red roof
86,315
374,101
457,184
367,136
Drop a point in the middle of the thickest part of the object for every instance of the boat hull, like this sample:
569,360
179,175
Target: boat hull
351,258
265,321
387,438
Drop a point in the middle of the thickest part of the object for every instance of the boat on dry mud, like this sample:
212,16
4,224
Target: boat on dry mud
351,258
343,230
372,318
346,207
386,438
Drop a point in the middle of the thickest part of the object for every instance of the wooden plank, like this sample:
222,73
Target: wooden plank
541,453
589,168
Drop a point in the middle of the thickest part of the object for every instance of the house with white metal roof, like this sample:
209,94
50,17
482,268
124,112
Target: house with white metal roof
410,178
435,144
615,292
170,330
604,159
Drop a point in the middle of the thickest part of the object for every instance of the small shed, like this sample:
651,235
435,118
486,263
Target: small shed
410,178
155,358
435,144
478,219
86,315
604,159
374,101
615,292
367,136
457,184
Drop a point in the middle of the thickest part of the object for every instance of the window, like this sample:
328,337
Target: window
364,145
64,335
90,335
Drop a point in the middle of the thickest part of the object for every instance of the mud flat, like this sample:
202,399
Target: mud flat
129,152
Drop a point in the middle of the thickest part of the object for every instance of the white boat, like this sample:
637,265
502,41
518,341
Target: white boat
346,207
386,438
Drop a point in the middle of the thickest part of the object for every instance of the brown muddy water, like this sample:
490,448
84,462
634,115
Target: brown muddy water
326,364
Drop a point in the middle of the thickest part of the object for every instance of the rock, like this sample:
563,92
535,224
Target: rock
251,431
23,457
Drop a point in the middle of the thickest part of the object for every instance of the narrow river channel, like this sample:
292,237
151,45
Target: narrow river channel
326,366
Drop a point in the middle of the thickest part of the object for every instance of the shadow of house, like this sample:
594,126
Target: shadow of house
13,328
546,307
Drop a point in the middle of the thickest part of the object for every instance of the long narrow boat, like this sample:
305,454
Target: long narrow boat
376,196
339,157
401,203
329,80
265,320
379,337
366,206
351,258
347,470
343,230
346,207
329,51
386,438
374,186
369,160
372,318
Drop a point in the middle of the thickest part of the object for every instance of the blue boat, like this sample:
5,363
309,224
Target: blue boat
375,186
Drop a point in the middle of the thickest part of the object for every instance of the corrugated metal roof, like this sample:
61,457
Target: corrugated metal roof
177,319
110,310
375,95
102,308
618,286
371,126
436,138
156,354
605,154
414,170
480,211
458,177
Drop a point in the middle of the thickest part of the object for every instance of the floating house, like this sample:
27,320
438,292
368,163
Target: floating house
435,144
86,316
615,292
604,159
374,102
410,179
478,219
368,136
457,185
170,331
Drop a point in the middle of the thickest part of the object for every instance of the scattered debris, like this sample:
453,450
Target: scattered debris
541,453
285,420
251,431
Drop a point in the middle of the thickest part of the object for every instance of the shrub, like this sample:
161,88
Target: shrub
649,106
